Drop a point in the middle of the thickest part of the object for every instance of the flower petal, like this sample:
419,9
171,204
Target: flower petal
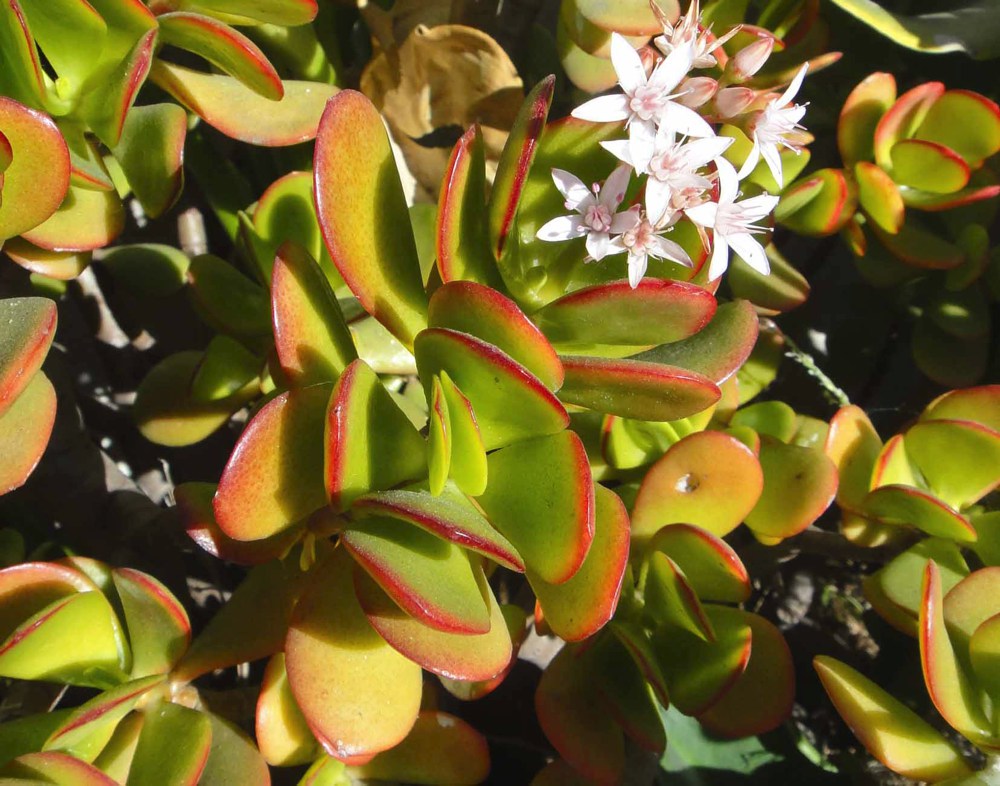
793,88
571,187
603,109
773,160
627,63
699,152
685,121
720,257
703,214
614,188
623,222
755,208
642,144
597,245
752,252
561,228
657,199
619,148
729,181
674,67
668,249
636,268
752,158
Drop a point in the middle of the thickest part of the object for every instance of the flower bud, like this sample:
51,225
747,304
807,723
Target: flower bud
749,60
697,91
731,101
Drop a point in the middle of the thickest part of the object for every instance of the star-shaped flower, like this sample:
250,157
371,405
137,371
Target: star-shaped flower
595,207
642,242
732,223
688,30
775,126
645,102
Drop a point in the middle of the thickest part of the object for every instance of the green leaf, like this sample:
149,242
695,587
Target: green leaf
228,300
430,578
670,601
772,418
898,582
56,265
578,608
281,730
902,120
151,154
965,122
628,17
782,289
710,565
862,110
158,626
468,460
25,428
233,757
274,477
980,405
22,75
285,212
892,732
223,47
363,215
54,767
148,269
370,444
37,178
879,196
85,220
72,36
818,205
920,247
541,497
173,746
279,12
226,368
928,166
238,112
358,694
310,334
453,655
509,402
116,758
968,471
438,439
906,506
984,652
28,734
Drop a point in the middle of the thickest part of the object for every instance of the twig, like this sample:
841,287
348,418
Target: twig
834,392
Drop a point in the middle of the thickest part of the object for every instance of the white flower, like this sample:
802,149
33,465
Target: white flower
776,124
732,223
672,166
642,242
596,208
646,102
687,30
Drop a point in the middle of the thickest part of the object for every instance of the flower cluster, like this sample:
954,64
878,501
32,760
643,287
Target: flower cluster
671,116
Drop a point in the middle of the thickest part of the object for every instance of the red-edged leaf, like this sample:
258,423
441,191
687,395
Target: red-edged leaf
362,213
60,265
449,516
907,506
980,405
820,204
287,13
578,608
459,656
25,427
370,443
105,110
483,312
22,76
658,311
238,112
440,748
463,243
576,721
902,120
959,460
515,620
158,626
37,178
708,479
430,578
468,460
637,641
515,162
282,733
358,695
920,247
928,166
233,757
274,477
173,746
86,220
635,388
310,334
967,605
853,445
438,439
762,697
54,767
541,496
224,47
879,196
28,588
670,601
151,154
966,122
628,17
947,684
713,569
29,327
510,403
892,732
860,115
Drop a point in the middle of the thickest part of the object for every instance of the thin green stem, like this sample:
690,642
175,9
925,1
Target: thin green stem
834,392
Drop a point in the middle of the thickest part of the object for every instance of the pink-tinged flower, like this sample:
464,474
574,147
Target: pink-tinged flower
688,31
751,58
642,242
732,223
732,101
697,91
672,166
645,102
595,207
776,126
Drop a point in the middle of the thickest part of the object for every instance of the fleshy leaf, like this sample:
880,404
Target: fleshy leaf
629,17
459,656
468,461
23,76
984,652
670,601
369,442
820,204
106,110
510,403
939,449
226,368
907,506
576,721
448,515
224,47
541,497
853,445
148,269
59,265
892,732
708,479
902,119
440,748
331,653
362,212
310,334
862,110
928,166
151,154
879,196
768,418
281,730
799,484
233,757
278,12
29,327
238,112
173,746
636,389
975,137
54,767
980,405
438,439
658,311
483,312
36,181
228,300
578,608
158,626
713,569
25,428
432,579
515,163
85,220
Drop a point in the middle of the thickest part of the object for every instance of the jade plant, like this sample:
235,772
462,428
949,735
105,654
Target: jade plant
74,73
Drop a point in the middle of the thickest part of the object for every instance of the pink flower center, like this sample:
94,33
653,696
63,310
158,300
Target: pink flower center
639,239
647,102
598,218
